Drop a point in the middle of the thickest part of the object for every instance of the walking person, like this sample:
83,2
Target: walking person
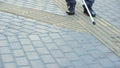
72,3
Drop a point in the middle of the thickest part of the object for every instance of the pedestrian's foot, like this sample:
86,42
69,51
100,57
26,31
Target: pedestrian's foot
86,12
69,13
92,13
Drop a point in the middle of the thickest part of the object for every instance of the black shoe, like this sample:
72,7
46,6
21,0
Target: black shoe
69,13
91,11
85,11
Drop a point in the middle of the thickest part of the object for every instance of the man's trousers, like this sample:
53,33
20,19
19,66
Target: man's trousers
71,5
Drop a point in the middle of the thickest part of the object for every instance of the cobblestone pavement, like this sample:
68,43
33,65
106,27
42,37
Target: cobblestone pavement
27,43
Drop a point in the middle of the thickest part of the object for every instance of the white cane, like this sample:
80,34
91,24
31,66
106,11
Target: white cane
93,21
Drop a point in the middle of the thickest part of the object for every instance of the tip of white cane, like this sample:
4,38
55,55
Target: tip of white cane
94,23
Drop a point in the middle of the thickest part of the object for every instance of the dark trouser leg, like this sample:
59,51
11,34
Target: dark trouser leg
71,6
89,4
68,3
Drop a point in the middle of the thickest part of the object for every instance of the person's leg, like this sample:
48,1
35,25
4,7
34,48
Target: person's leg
89,4
71,7
68,3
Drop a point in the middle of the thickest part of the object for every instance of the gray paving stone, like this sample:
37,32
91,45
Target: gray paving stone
54,30
38,44
21,33
72,56
15,45
18,53
52,65
12,39
12,30
80,51
8,33
102,48
16,27
43,51
51,46
89,47
63,33
3,43
41,27
47,39
117,64
60,41
97,54
1,63
25,67
57,53
29,23
77,64
55,35
73,44
4,20
22,36
41,30
2,27
15,20
22,61
2,37
7,58
5,50
26,30
85,66
27,27
34,37
10,65
32,56
37,64
67,37
63,62
69,67
47,59
88,59
105,62
97,65
66,48
28,48
113,57
25,41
